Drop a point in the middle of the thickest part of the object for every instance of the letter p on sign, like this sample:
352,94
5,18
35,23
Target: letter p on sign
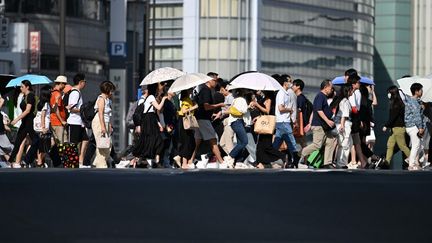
118,49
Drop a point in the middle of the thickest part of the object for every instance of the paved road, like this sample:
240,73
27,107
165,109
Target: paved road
55,205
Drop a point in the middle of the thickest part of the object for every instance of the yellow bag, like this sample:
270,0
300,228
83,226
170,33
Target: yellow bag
234,111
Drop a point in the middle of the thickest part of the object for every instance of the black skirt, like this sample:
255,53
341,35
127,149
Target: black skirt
186,145
265,152
150,142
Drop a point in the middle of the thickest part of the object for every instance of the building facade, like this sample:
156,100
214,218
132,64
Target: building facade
421,37
86,39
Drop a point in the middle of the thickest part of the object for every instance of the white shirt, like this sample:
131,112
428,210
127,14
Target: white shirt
355,99
344,110
17,110
75,98
292,104
148,103
37,122
241,105
107,109
282,98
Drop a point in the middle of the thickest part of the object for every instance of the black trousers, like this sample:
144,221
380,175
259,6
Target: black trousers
25,128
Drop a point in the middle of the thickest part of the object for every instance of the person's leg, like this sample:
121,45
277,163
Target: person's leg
100,159
399,134
20,137
278,136
242,140
84,144
390,146
251,147
90,152
415,145
317,141
329,148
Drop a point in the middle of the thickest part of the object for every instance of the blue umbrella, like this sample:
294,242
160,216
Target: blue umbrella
34,79
341,80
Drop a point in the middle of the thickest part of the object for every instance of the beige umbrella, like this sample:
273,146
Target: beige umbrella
161,74
188,81
405,85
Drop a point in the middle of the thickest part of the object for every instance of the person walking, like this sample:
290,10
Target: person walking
239,116
266,154
414,123
150,145
343,123
102,122
396,124
186,136
57,107
286,106
26,117
76,131
322,125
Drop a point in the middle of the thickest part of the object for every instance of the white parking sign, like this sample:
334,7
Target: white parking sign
118,49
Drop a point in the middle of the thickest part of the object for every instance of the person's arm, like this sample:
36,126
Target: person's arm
101,109
159,106
324,117
73,101
266,108
43,113
208,107
57,111
22,115
374,97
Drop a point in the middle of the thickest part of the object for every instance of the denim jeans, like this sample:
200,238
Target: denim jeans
242,140
284,132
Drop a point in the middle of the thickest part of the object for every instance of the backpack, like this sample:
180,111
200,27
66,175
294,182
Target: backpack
308,111
66,101
138,113
88,112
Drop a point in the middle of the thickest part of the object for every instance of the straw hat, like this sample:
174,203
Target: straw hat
61,79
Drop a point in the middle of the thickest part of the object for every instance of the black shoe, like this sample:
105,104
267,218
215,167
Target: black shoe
289,166
329,167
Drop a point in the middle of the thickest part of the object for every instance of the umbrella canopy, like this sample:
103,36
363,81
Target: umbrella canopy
188,81
341,80
161,74
255,81
34,79
405,85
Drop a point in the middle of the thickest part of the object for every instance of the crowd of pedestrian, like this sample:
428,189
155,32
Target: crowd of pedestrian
211,126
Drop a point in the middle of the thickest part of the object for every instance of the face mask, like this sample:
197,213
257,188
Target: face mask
389,95
290,85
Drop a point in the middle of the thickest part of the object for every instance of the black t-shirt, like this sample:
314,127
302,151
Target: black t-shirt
29,99
218,98
204,96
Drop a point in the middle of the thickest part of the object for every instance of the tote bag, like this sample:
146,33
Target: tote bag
265,125
103,142
190,122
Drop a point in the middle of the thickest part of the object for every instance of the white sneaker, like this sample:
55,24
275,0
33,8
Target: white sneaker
191,166
122,164
177,160
229,161
202,164
302,166
224,165
212,165
240,165
15,165
85,166
150,163
4,165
